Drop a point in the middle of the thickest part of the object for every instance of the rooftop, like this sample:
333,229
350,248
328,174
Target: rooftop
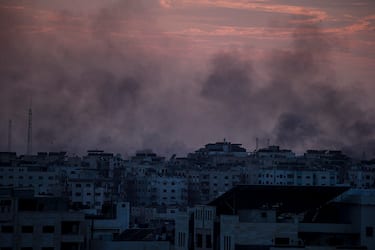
136,235
286,199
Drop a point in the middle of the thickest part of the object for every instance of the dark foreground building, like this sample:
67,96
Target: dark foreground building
281,217
45,223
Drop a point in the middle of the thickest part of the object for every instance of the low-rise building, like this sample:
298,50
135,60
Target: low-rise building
28,222
281,217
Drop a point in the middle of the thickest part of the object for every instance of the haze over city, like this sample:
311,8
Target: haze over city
174,75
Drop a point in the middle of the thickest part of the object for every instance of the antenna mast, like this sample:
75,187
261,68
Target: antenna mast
10,136
29,132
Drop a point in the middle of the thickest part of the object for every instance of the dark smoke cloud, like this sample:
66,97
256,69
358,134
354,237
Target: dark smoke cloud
302,103
90,89
106,78
230,81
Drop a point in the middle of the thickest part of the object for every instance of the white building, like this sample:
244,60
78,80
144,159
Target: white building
44,181
299,177
169,190
104,228
362,176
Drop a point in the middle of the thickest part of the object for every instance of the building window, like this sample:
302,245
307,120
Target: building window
78,185
7,229
88,194
48,229
26,248
181,239
27,229
264,215
281,241
199,241
78,194
69,227
208,241
227,243
369,231
48,248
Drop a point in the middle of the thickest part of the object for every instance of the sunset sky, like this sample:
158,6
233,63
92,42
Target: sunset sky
173,75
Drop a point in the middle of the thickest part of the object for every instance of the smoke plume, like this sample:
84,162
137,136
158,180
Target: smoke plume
109,78
302,102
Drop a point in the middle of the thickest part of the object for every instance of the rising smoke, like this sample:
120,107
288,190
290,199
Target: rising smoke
106,78
303,103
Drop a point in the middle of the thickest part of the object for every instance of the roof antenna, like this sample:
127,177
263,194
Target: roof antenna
30,130
10,136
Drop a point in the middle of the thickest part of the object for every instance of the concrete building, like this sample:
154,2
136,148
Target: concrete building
272,155
223,148
297,176
39,223
362,176
44,180
106,227
169,191
145,239
281,217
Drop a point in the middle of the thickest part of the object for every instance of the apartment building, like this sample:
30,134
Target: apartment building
28,222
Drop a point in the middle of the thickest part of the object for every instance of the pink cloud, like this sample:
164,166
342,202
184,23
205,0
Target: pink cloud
312,14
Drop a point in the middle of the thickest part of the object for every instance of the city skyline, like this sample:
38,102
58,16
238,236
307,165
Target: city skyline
174,75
